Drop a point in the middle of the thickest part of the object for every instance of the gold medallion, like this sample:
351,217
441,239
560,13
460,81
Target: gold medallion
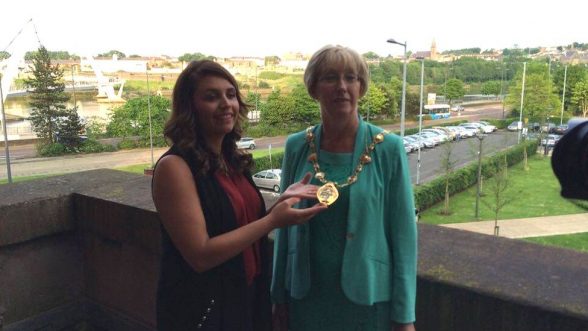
327,193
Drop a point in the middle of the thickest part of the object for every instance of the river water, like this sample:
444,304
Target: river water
17,110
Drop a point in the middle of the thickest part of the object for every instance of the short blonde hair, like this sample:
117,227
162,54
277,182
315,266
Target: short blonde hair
330,56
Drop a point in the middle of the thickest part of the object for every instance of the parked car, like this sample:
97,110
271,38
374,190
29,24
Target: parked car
428,142
483,128
550,140
448,132
458,108
534,126
246,143
548,127
489,125
408,147
560,129
515,126
269,179
462,132
443,137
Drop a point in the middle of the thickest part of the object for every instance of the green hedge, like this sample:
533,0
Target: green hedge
262,163
432,192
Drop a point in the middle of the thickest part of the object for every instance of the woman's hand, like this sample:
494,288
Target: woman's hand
403,327
282,214
280,317
300,189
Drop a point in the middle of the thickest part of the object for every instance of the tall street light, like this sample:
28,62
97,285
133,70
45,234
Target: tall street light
522,98
563,95
420,120
479,186
149,112
502,87
403,106
6,150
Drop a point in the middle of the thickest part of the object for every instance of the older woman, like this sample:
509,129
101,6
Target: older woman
353,267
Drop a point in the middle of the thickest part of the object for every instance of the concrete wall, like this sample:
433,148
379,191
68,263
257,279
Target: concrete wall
84,248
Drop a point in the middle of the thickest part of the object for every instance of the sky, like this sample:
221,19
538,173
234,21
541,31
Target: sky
226,28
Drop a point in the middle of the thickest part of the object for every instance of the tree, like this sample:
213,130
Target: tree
454,89
374,100
447,166
69,128
539,100
305,109
277,110
491,87
119,54
574,74
4,55
371,56
47,97
497,197
412,104
393,93
187,57
132,118
580,97
271,60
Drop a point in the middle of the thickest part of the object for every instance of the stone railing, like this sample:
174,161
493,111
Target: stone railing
82,250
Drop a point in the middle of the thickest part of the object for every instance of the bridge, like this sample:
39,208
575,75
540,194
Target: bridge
15,63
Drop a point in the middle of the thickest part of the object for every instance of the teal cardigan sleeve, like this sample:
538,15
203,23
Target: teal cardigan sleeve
403,239
278,290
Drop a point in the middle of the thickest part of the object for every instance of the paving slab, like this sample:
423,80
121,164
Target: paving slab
529,227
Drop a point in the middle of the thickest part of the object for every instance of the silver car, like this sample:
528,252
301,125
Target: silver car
269,179
246,143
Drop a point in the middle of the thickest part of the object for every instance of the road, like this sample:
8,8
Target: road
24,162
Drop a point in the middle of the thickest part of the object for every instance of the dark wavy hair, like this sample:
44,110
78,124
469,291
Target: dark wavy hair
184,131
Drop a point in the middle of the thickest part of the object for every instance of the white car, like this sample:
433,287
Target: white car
246,143
488,125
269,179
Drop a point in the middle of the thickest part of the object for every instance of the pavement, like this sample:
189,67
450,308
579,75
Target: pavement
529,227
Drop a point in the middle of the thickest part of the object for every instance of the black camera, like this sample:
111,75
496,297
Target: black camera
570,160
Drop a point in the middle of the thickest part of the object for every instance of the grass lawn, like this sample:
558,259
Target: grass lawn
24,179
531,193
578,241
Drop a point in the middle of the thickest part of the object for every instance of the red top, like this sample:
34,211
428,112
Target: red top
247,207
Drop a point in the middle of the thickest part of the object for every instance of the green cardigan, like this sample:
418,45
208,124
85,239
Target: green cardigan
380,257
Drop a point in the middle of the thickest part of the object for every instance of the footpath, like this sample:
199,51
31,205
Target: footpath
529,227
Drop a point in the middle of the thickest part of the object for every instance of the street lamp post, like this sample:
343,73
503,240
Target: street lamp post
6,150
563,95
502,88
420,121
522,97
149,113
403,105
479,188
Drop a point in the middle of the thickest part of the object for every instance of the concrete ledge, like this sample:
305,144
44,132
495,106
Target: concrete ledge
106,261
29,220
39,275
475,280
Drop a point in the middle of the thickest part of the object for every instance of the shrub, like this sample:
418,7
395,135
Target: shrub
263,162
54,149
127,144
432,192
93,146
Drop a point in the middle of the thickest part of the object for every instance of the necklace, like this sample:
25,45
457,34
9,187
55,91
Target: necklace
328,193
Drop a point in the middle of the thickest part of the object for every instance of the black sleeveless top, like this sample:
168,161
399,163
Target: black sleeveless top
218,299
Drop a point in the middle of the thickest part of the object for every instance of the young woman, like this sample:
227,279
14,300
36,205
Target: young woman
214,265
